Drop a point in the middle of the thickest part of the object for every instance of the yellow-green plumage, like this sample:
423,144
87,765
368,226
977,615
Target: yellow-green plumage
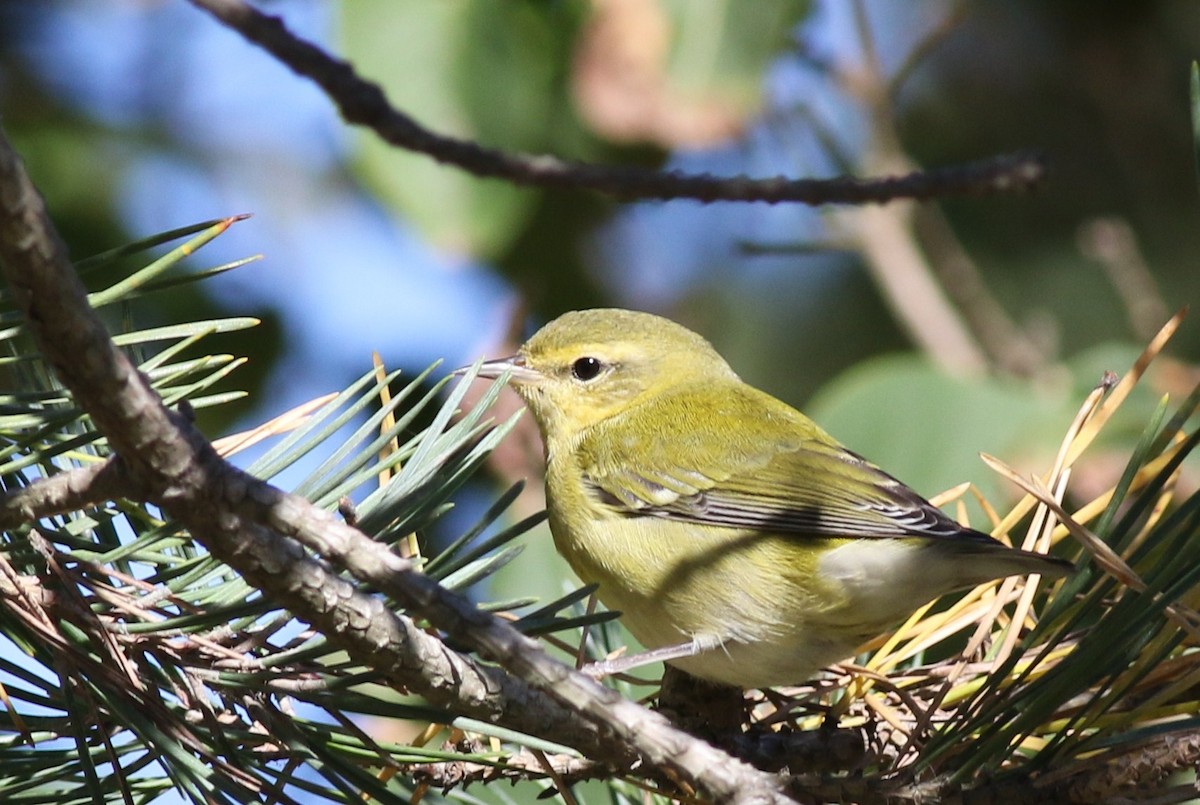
709,511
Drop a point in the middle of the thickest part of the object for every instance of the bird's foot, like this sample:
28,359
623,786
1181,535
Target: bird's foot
619,665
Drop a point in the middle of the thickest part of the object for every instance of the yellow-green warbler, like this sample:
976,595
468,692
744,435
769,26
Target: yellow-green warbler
738,540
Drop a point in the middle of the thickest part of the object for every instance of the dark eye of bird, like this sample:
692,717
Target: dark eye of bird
586,368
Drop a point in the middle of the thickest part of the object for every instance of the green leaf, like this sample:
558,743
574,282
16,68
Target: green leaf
928,428
452,208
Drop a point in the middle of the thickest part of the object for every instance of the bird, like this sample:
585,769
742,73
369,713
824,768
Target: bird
738,540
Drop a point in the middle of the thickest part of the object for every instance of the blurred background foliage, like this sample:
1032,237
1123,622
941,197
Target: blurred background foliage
139,116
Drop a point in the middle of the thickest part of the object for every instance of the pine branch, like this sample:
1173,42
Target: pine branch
523,764
67,491
246,523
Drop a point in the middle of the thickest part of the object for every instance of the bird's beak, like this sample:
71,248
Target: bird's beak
518,372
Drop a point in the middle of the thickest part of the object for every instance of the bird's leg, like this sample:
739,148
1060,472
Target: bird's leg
619,665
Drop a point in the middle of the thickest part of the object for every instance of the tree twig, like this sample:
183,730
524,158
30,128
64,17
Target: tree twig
68,491
362,102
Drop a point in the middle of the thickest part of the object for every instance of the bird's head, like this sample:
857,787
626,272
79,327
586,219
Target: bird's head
588,365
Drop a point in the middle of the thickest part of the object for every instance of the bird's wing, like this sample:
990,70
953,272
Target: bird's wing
772,470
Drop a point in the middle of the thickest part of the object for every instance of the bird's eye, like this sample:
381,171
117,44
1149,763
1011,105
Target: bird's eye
586,369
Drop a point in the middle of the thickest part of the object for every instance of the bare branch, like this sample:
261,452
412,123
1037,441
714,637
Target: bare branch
362,102
67,491
1144,766
904,279
1125,775
233,515
521,765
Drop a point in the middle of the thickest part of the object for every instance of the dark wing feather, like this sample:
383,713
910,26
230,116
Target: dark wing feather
776,471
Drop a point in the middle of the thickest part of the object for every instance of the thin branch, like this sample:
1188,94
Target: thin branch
238,518
1145,765
1110,778
938,298
1010,346
523,764
1112,243
811,751
68,491
904,278
362,102
886,239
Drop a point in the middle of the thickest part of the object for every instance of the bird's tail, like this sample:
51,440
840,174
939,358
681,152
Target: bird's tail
985,559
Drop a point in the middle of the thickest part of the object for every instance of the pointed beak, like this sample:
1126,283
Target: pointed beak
518,372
